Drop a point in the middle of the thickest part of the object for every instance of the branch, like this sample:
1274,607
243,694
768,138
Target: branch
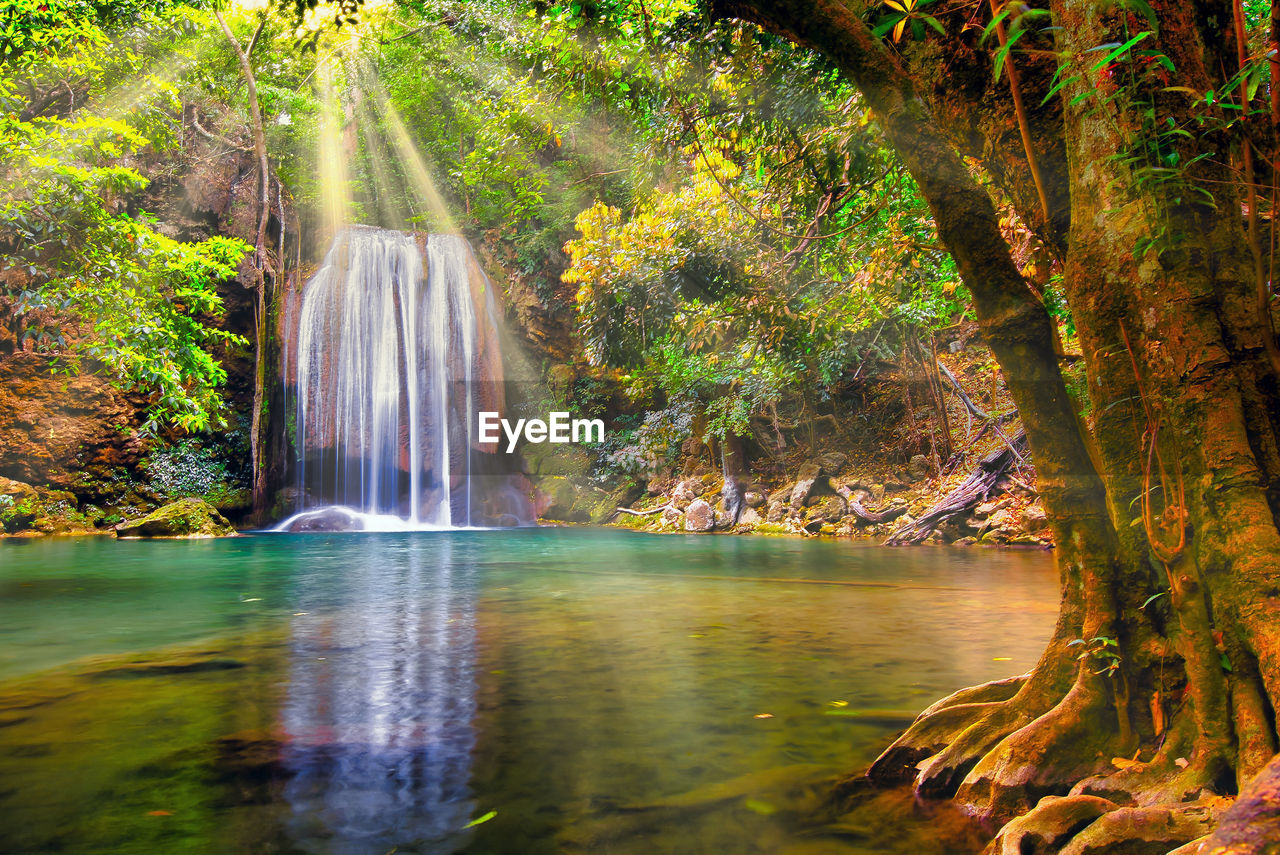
195,122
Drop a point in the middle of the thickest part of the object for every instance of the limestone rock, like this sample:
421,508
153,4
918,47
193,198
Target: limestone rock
685,492
808,474
183,518
699,516
777,511
749,518
986,509
753,498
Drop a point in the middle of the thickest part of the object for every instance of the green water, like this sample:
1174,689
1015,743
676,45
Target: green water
597,691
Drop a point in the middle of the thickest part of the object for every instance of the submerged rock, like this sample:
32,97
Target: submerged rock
183,518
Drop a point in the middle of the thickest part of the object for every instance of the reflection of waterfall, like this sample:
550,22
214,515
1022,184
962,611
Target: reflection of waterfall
391,368
379,709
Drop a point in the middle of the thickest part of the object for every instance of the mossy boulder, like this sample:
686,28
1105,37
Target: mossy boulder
183,518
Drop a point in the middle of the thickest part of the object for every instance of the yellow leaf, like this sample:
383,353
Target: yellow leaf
898,28
1124,763
892,4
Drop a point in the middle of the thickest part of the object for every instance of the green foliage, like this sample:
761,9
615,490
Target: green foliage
194,468
95,280
1104,653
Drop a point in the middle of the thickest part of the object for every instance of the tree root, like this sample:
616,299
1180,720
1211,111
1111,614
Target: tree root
938,726
1045,757
1144,829
1049,825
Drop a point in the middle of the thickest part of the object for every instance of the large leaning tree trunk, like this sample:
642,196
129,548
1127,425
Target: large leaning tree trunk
1153,705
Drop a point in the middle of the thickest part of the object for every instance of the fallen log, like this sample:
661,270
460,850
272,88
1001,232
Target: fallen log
656,510
976,488
861,515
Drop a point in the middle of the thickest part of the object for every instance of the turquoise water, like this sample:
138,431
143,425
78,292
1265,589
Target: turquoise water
578,690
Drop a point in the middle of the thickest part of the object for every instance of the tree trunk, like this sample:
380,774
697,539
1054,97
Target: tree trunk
257,422
733,463
1173,496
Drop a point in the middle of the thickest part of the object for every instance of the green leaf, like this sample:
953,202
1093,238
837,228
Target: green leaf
1119,51
480,819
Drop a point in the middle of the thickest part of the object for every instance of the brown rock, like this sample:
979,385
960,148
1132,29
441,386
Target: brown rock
59,429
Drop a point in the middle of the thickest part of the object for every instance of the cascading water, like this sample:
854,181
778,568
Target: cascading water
394,357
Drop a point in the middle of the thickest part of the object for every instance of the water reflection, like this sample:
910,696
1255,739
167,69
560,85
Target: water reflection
379,711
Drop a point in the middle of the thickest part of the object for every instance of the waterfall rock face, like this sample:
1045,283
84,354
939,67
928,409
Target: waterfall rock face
396,351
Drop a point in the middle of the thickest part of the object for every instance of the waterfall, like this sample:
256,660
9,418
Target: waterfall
393,358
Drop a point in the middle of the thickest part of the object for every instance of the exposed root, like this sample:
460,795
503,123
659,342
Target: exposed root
1252,824
996,690
930,736
1160,783
1049,825
1043,757
1144,829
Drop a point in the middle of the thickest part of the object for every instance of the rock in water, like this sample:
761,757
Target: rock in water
700,516
325,520
183,518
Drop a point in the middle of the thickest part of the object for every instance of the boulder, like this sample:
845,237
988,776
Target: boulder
561,499
183,518
685,492
19,505
777,511
832,509
699,516
1034,518
832,462
753,498
986,509
40,510
919,469
749,518
808,474
671,516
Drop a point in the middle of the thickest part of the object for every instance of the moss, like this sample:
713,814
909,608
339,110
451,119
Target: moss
183,518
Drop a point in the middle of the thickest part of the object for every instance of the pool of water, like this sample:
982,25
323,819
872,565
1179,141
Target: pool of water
572,690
